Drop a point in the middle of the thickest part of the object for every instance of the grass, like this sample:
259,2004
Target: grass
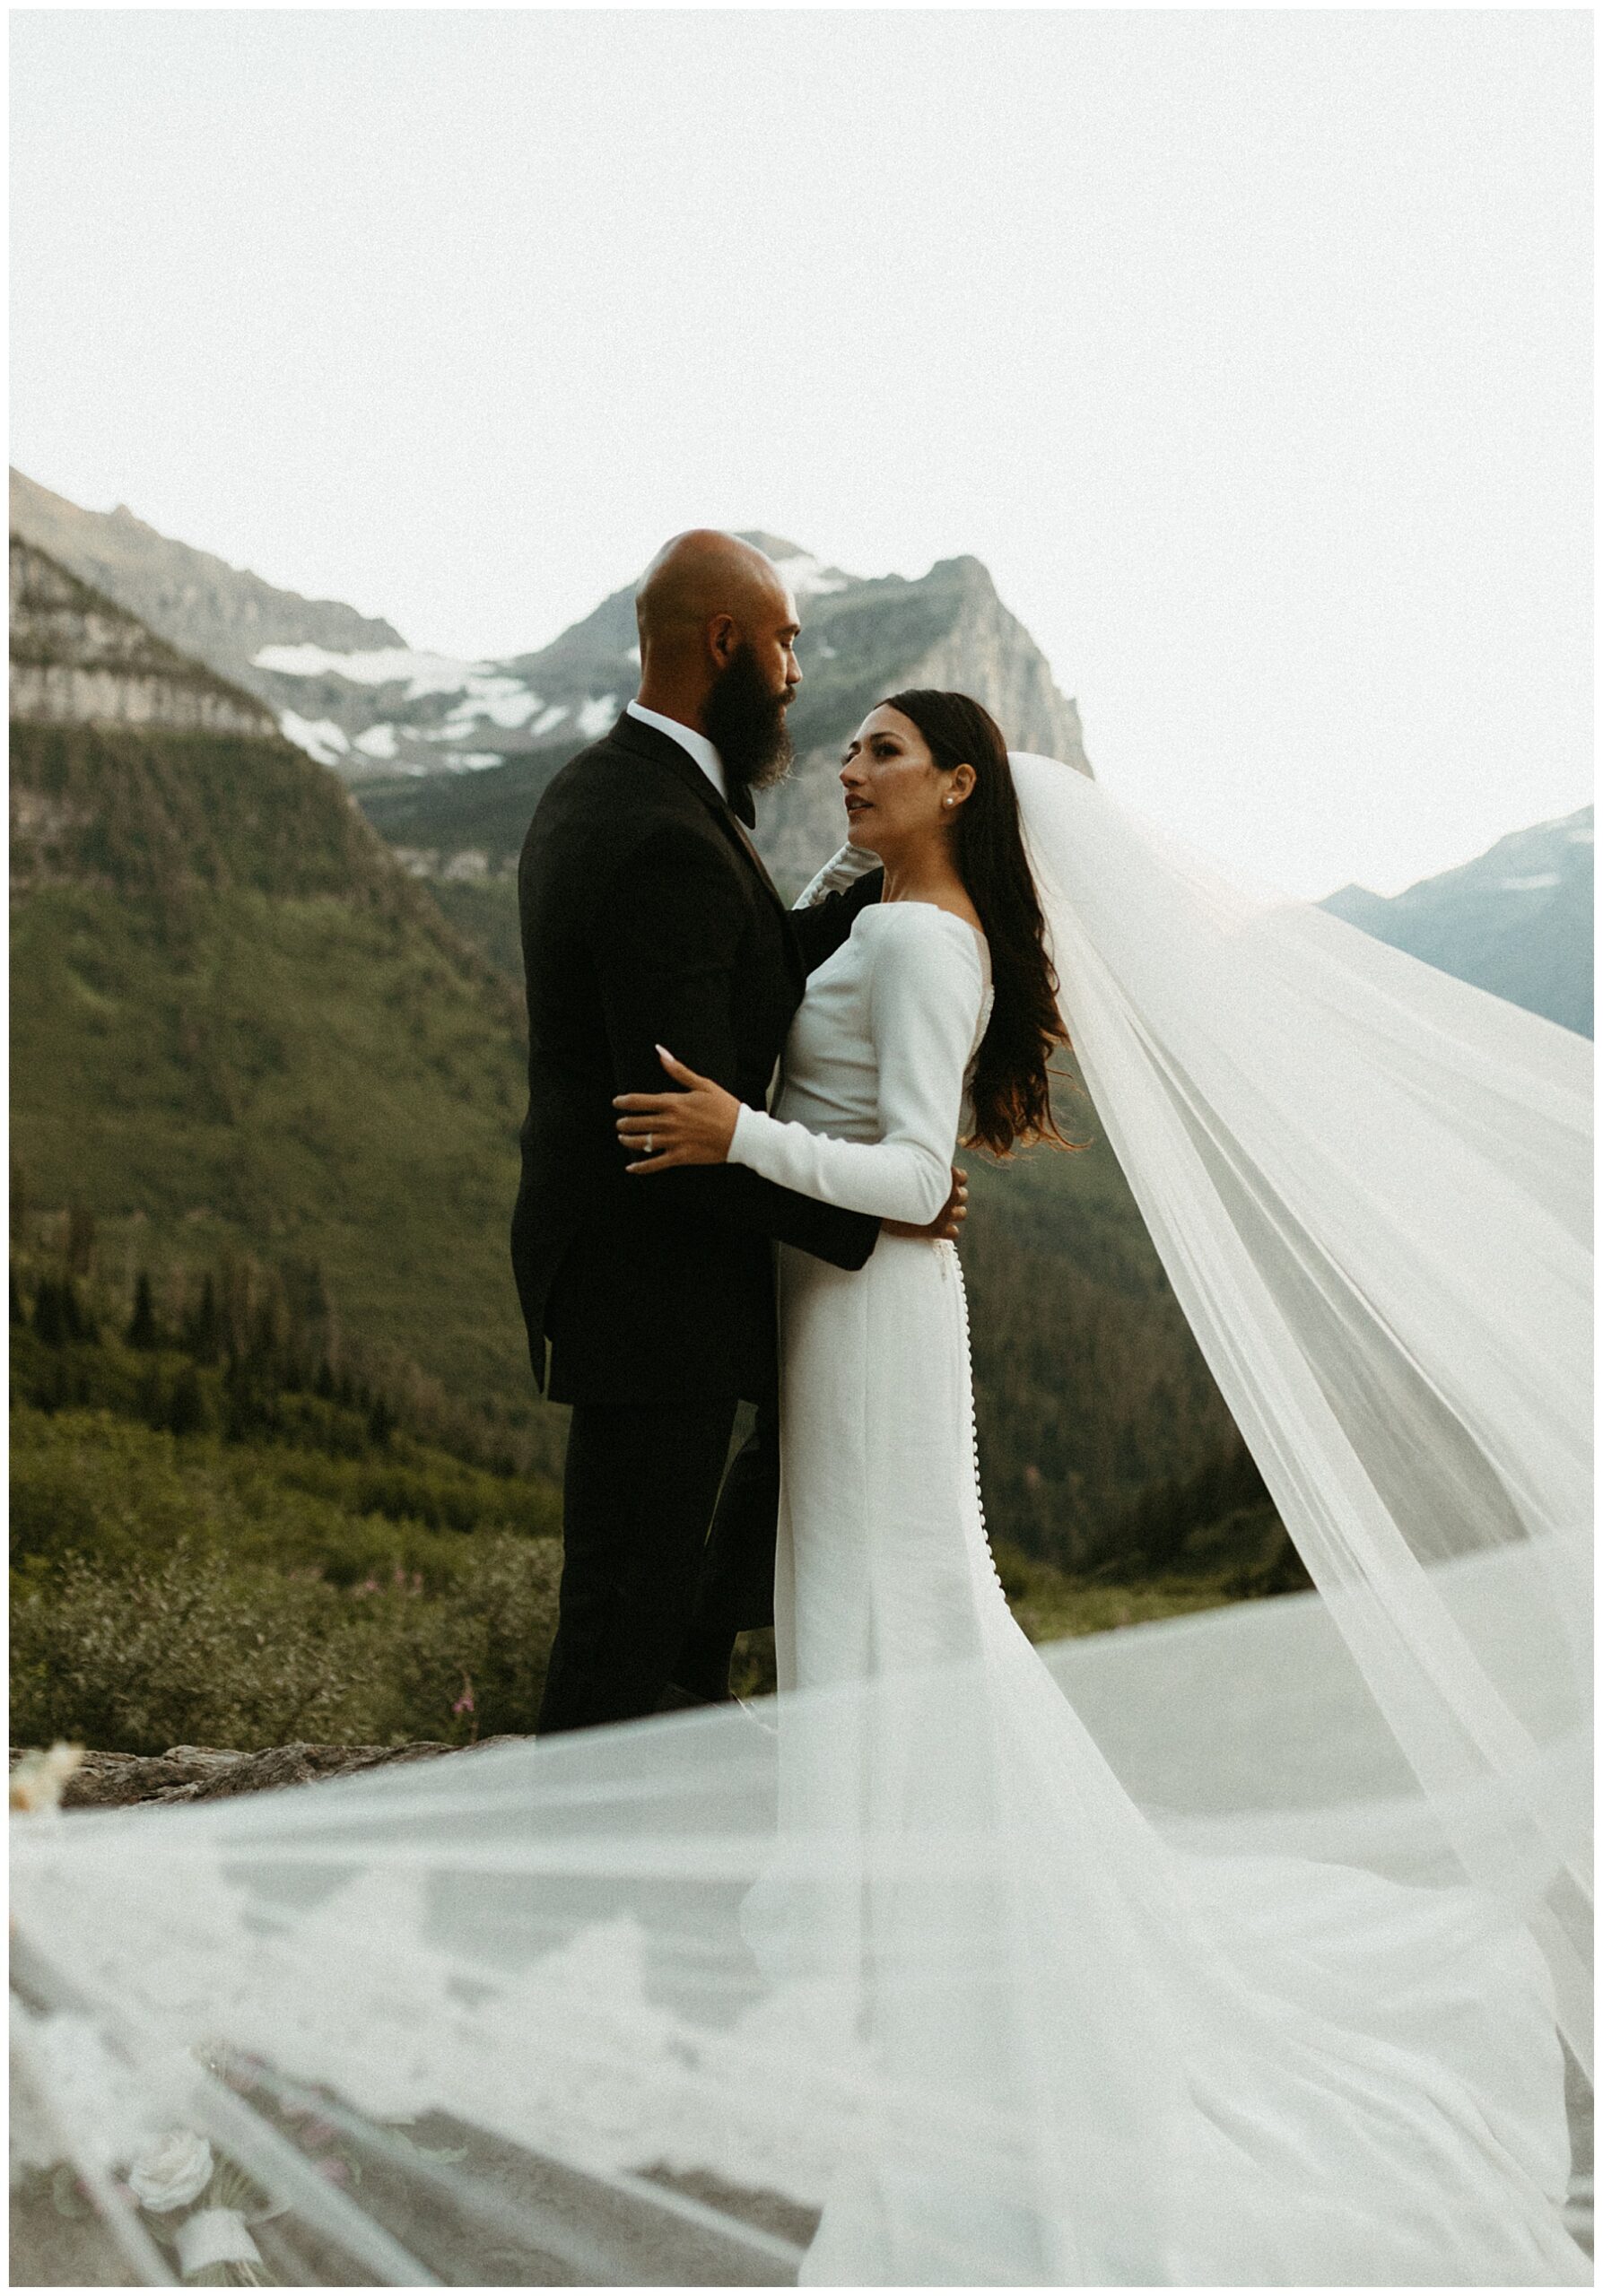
185,1590
193,1589
1051,1605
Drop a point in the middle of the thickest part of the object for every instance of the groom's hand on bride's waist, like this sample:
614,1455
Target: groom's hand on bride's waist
945,1228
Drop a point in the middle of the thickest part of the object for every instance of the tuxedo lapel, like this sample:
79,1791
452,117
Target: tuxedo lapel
761,866
648,741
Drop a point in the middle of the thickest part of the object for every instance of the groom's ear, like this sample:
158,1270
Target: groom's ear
723,639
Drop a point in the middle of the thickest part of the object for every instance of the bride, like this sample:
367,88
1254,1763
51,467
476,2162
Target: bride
1330,2102
1234,1949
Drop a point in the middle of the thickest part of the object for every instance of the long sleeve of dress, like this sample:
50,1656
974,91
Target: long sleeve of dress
926,989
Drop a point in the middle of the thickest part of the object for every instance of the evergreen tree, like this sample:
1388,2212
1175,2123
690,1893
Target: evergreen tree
80,1239
203,1331
187,1412
151,1398
19,1313
142,1329
49,1314
59,1317
262,1349
81,1324
236,1290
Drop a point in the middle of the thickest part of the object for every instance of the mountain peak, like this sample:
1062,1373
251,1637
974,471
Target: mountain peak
805,575
771,545
967,568
1516,920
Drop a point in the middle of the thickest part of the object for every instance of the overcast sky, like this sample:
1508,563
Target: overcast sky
1249,350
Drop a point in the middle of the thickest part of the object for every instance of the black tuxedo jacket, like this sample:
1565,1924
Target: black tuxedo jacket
647,917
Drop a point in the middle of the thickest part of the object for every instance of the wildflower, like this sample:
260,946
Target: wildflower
37,1779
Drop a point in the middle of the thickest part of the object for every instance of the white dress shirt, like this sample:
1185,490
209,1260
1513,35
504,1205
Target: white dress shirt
689,739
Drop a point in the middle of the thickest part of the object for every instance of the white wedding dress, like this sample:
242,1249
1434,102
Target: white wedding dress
1231,1950
1238,2071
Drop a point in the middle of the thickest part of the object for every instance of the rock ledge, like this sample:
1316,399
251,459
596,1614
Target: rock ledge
104,1781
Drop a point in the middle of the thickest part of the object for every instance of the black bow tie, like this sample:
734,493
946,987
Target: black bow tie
743,806
743,828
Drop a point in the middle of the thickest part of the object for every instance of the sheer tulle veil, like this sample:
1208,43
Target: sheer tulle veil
583,2010
1371,1188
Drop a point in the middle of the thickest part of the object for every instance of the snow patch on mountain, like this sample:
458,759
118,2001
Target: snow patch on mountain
506,701
806,577
595,716
320,738
421,672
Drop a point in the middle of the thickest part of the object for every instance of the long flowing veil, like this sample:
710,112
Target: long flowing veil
587,2009
1371,1187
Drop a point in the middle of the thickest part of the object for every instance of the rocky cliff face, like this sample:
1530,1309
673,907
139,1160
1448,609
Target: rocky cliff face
221,614
866,639
76,658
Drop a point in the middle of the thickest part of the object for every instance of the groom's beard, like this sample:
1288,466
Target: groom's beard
746,724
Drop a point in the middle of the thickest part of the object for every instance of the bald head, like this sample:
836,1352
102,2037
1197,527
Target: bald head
706,599
699,579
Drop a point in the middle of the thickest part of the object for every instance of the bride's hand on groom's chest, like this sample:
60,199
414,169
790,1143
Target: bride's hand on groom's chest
694,1125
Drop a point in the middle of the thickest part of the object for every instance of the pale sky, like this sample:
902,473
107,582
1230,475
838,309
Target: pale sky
1249,349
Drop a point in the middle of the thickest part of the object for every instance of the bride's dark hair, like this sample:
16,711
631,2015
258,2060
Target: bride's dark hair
1011,1086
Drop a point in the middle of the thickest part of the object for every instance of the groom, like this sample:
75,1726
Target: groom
647,917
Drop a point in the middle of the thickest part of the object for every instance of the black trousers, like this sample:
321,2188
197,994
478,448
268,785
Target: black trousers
650,1595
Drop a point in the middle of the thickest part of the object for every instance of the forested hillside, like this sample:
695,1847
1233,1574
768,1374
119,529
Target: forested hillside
237,1025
